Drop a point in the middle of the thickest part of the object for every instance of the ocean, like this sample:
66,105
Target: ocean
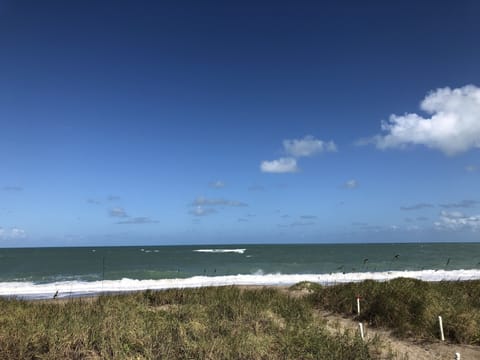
41,272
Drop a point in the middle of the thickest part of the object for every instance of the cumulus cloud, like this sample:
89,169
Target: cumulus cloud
416,206
203,201
462,204
13,233
294,149
12,188
282,165
307,146
17,233
118,212
456,220
201,211
137,220
351,184
453,124
217,184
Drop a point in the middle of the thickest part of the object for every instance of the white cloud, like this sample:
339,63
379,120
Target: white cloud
456,220
351,184
201,211
13,233
282,165
471,168
16,233
307,146
118,212
453,126
297,148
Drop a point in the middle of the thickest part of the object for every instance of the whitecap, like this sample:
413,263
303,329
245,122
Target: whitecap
237,251
82,288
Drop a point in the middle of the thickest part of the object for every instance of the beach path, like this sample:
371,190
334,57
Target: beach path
403,349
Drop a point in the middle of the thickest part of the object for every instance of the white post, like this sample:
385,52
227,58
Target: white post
360,325
358,305
457,356
442,336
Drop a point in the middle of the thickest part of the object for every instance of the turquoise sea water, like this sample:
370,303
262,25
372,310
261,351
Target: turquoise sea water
22,270
113,263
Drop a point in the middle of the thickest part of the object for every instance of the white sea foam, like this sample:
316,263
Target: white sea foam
79,288
238,251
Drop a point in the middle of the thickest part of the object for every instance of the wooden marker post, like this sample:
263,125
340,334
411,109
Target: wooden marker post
358,305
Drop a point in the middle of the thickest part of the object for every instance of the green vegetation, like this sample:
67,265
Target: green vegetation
234,323
206,323
409,307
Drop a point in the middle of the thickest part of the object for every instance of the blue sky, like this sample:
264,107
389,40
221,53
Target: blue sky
177,122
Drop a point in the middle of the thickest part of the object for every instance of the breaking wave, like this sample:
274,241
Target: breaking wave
238,251
32,290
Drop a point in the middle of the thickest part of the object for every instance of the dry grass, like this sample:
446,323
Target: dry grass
207,323
410,307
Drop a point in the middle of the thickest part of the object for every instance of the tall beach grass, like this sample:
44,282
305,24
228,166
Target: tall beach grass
205,323
409,307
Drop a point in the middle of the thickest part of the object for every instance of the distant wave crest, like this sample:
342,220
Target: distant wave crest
83,288
238,251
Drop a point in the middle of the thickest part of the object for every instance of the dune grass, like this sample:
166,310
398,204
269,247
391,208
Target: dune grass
234,323
409,307
205,323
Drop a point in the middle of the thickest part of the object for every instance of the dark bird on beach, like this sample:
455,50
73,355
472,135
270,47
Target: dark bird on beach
365,261
397,256
55,295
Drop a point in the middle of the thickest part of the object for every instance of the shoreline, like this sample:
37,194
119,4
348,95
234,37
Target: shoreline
88,288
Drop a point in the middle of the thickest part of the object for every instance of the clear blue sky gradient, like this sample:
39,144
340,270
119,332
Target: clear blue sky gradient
150,102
